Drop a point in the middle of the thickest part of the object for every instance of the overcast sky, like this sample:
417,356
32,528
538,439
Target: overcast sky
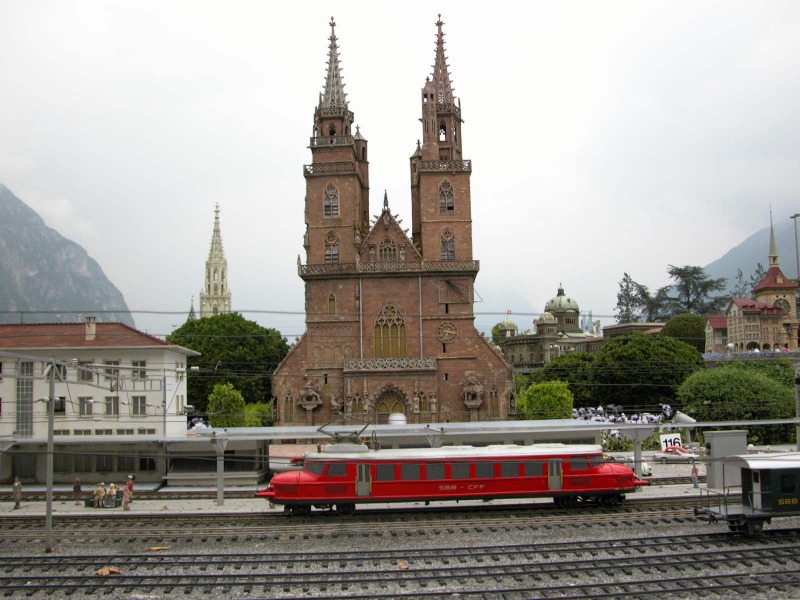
606,137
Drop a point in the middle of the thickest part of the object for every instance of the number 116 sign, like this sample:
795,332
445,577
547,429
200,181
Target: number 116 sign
671,439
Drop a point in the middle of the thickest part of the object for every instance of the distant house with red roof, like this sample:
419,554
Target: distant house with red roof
768,322
716,333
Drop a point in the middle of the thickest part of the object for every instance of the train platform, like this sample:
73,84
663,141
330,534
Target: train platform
170,504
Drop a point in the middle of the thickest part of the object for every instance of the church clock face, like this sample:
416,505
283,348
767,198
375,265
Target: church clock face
447,332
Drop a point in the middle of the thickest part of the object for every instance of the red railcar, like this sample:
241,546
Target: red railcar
343,475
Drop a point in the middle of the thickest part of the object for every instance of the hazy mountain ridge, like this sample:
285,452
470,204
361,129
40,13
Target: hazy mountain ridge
754,250
41,271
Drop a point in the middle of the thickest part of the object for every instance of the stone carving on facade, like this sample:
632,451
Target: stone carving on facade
309,397
336,404
472,392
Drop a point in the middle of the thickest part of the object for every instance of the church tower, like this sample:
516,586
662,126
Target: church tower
389,318
215,297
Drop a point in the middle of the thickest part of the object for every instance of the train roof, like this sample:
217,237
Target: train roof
361,452
764,462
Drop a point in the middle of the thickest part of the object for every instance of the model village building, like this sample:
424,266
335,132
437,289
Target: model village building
768,321
556,332
389,318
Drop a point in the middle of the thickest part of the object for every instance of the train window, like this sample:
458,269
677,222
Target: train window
410,472
315,468
788,483
484,470
578,463
337,469
435,471
459,470
596,461
384,472
509,469
534,468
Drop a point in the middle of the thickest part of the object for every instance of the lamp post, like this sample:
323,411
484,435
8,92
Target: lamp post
219,441
51,417
796,244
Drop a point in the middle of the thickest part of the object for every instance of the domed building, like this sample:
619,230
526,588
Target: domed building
557,331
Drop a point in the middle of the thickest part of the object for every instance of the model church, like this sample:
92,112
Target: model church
389,318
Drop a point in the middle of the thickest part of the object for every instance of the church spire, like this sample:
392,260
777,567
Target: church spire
441,71
773,245
333,97
215,298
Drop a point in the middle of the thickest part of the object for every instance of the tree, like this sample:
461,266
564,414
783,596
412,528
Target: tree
781,370
629,302
575,369
741,288
258,414
550,400
655,307
693,289
226,406
739,394
641,372
689,328
233,350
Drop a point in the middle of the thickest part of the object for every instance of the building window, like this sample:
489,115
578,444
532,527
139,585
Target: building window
25,398
139,369
111,373
62,463
390,333
331,304
330,202
387,251
85,406
147,464
1,372
446,204
139,405
85,371
60,407
61,372
331,248
104,463
112,405
448,245
125,463
83,463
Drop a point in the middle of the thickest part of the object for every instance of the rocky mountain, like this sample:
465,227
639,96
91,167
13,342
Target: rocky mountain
46,278
754,250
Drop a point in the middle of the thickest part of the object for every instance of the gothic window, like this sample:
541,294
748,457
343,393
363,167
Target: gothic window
442,131
331,304
494,403
390,403
332,130
387,251
390,333
330,203
446,206
216,275
448,245
331,248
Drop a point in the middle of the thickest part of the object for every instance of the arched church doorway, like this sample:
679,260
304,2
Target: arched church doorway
390,402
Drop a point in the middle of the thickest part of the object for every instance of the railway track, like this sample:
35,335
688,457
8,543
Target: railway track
619,567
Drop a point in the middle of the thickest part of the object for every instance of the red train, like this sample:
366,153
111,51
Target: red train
343,475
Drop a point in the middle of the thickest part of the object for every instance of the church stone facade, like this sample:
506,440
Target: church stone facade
389,318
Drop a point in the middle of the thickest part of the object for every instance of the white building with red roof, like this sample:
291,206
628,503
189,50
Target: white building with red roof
118,393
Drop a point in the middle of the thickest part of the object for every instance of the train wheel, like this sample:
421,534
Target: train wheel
735,526
300,510
346,510
569,501
609,500
753,527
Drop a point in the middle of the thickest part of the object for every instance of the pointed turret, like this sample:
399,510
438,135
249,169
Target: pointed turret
216,297
192,315
332,117
441,72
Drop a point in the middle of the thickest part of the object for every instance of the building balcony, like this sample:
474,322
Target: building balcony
446,165
390,364
389,267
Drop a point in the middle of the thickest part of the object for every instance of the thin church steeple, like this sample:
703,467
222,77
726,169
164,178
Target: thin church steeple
215,298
